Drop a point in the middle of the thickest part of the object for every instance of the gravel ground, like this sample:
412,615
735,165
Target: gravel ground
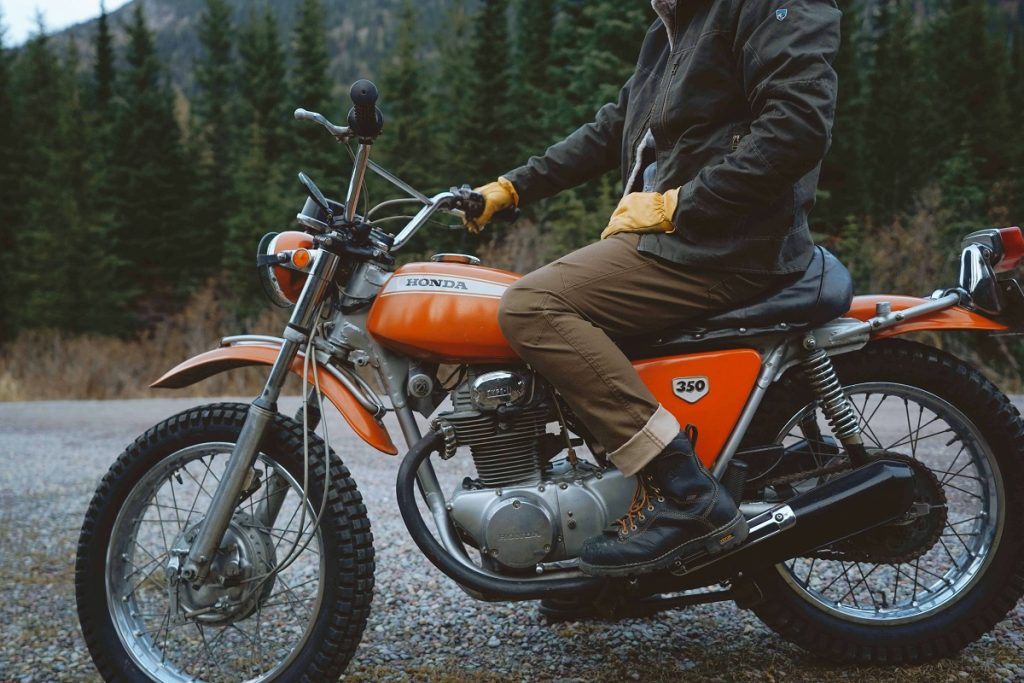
52,454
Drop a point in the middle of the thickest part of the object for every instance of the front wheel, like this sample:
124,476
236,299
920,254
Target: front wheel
935,582
287,598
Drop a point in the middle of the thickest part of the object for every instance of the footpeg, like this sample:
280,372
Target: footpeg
560,565
763,526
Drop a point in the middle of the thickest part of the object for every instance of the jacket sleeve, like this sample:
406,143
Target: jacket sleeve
785,61
589,152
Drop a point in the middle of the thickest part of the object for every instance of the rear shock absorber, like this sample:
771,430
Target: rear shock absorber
838,410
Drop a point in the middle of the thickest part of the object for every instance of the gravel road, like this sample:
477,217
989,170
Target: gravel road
52,454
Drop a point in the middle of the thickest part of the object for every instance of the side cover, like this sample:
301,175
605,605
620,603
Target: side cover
707,390
229,357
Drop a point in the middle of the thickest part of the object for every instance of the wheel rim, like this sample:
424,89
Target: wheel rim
917,424
260,625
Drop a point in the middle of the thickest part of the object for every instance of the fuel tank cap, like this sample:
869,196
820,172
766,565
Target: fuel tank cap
456,258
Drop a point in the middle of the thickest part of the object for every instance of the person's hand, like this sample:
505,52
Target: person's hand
498,196
643,212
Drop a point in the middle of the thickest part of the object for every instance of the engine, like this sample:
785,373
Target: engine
525,506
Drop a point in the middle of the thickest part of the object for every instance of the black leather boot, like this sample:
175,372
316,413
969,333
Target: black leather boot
679,514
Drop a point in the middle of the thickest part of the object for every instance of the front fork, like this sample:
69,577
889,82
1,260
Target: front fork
261,412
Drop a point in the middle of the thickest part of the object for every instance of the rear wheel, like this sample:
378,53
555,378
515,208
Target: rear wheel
934,583
286,599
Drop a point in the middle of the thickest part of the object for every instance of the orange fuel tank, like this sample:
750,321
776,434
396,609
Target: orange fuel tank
443,312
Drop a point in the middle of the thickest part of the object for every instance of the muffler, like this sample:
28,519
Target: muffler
870,496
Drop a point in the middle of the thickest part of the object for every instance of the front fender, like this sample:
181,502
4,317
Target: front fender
245,355
955,318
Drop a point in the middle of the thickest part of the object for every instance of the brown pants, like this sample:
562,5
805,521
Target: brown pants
560,319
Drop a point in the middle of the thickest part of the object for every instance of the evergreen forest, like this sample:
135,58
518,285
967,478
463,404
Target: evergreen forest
122,195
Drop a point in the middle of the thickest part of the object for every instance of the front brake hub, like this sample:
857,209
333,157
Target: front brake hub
235,584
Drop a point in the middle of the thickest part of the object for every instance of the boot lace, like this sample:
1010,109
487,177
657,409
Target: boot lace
641,503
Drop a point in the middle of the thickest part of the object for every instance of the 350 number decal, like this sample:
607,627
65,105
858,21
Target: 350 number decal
691,389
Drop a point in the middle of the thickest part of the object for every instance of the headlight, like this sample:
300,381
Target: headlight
283,261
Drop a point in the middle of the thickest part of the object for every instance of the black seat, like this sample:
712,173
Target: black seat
823,293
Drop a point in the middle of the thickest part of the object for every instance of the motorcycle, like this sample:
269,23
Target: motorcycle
882,479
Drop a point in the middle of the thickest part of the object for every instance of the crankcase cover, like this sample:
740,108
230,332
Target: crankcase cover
519,532
543,521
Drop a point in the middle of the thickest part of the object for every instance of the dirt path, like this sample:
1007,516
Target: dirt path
423,627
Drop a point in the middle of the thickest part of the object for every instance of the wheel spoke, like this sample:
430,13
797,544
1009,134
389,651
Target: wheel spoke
225,648
934,433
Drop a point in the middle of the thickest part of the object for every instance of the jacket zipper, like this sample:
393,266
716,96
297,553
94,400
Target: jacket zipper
664,90
736,141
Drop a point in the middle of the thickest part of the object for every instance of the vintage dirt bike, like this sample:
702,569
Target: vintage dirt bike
882,479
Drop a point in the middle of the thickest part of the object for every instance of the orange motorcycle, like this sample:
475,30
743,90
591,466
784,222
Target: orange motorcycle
882,479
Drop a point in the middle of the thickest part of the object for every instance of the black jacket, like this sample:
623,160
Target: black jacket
740,103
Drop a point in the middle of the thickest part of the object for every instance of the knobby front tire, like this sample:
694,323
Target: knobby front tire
321,603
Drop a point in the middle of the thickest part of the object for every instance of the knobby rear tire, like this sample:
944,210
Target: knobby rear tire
347,540
984,604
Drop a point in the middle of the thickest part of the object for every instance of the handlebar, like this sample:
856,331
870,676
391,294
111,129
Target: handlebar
365,120
458,201
342,133
472,204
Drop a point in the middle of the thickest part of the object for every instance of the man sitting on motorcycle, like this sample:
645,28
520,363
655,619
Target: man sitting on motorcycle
719,133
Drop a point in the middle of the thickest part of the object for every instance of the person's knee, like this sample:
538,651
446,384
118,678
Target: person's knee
519,306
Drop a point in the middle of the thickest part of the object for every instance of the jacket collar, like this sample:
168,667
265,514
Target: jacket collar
666,11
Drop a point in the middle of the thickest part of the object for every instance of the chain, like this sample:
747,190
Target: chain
834,468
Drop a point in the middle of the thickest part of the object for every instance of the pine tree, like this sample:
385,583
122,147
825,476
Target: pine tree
10,198
963,199
1015,94
214,126
156,243
104,71
91,302
969,98
263,206
263,78
487,134
891,130
563,67
531,91
312,89
264,187
49,214
407,148
842,193
453,98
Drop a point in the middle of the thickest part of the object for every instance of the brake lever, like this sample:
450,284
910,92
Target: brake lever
342,133
468,201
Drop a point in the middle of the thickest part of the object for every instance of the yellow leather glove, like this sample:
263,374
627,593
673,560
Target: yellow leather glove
643,212
498,196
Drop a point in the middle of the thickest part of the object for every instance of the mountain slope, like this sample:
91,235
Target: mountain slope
359,31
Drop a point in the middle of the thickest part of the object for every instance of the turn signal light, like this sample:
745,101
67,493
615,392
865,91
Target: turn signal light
301,258
1013,249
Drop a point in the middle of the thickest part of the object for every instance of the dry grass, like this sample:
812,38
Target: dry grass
49,364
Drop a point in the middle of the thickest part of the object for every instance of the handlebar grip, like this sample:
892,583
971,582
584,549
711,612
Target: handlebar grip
472,203
304,115
365,119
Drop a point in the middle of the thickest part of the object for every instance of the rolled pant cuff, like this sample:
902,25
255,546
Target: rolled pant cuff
646,444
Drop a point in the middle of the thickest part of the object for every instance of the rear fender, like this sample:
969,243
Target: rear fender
955,318
249,354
